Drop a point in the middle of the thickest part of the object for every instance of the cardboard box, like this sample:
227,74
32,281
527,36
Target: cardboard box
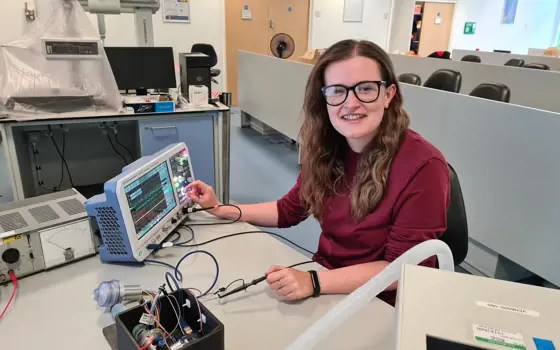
149,104
311,56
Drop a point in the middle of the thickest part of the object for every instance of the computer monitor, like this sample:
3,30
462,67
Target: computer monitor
142,68
142,205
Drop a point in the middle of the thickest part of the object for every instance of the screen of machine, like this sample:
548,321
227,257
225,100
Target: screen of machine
150,198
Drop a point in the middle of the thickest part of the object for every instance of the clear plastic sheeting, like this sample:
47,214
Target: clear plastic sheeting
59,66
363,295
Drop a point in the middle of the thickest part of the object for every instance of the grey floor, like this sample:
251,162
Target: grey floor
263,170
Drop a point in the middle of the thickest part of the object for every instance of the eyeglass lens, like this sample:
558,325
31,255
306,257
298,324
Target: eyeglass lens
366,92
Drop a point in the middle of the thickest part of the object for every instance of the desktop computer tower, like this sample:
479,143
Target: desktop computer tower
195,70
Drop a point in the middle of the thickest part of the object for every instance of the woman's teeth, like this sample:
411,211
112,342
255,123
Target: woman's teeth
353,116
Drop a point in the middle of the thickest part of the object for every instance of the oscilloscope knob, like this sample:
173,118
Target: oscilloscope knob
10,256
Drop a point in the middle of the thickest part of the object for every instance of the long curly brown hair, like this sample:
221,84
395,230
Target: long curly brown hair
324,149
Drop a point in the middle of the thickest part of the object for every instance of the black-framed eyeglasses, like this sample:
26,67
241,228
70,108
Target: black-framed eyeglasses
365,91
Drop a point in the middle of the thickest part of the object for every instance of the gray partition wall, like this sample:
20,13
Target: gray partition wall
529,87
500,58
505,157
272,90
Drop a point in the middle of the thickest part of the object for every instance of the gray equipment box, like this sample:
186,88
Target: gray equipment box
446,310
43,232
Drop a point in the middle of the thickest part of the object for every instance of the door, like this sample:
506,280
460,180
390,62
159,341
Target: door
290,17
251,24
249,34
437,22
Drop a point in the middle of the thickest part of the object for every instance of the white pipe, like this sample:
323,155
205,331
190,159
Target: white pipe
363,295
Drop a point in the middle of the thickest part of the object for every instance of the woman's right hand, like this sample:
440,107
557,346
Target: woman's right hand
201,193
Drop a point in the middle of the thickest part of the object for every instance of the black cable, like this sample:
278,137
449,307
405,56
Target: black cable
223,289
194,210
246,233
187,241
115,149
61,156
257,280
61,162
178,236
126,148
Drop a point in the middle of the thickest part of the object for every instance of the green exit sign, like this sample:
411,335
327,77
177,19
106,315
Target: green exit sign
470,27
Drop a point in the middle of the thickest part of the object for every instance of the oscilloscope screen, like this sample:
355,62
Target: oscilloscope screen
150,198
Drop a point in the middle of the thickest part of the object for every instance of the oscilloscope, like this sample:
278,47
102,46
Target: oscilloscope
143,204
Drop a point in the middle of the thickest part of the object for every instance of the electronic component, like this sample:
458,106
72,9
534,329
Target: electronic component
143,205
112,292
208,333
195,70
43,232
142,68
472,312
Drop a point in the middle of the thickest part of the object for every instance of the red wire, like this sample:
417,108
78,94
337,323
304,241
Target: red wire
147,345
15,282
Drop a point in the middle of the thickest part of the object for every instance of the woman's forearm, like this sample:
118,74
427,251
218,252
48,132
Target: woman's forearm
347,279
262,214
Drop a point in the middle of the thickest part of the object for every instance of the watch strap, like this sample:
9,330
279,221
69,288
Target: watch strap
316,284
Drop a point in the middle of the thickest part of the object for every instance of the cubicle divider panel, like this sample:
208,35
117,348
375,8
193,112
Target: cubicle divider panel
505,157
197,131
272,90
529,87
500,58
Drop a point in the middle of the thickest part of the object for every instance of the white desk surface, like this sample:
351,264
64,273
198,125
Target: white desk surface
16,117
55,309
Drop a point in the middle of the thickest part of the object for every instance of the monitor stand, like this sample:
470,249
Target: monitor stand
141,92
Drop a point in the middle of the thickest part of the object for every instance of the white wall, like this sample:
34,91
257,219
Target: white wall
327,26
207,26
535,25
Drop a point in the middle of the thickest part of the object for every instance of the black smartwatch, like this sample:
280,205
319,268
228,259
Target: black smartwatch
316,285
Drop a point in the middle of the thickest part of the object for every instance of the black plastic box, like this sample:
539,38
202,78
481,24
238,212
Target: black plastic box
212,337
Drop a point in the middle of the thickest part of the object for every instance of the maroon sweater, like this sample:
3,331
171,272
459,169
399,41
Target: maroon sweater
413,210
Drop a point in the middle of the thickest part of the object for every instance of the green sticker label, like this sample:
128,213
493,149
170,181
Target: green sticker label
497,336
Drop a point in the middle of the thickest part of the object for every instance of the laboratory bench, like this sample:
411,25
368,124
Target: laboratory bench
96,146
59,305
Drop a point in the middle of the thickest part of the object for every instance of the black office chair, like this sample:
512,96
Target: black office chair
410,78
496,92
471,58
515,62
444,79
208,50
540,66
457,234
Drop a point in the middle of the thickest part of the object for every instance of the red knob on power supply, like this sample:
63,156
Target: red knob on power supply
10,256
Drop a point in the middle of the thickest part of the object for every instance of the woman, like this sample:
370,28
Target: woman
376,187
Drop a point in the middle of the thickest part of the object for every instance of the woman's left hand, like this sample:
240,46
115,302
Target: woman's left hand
289,283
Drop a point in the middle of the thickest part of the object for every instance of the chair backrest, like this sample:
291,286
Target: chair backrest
540,66
515,62
208,50
471,58
445,79
496,92
410,78
441,54
457,234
